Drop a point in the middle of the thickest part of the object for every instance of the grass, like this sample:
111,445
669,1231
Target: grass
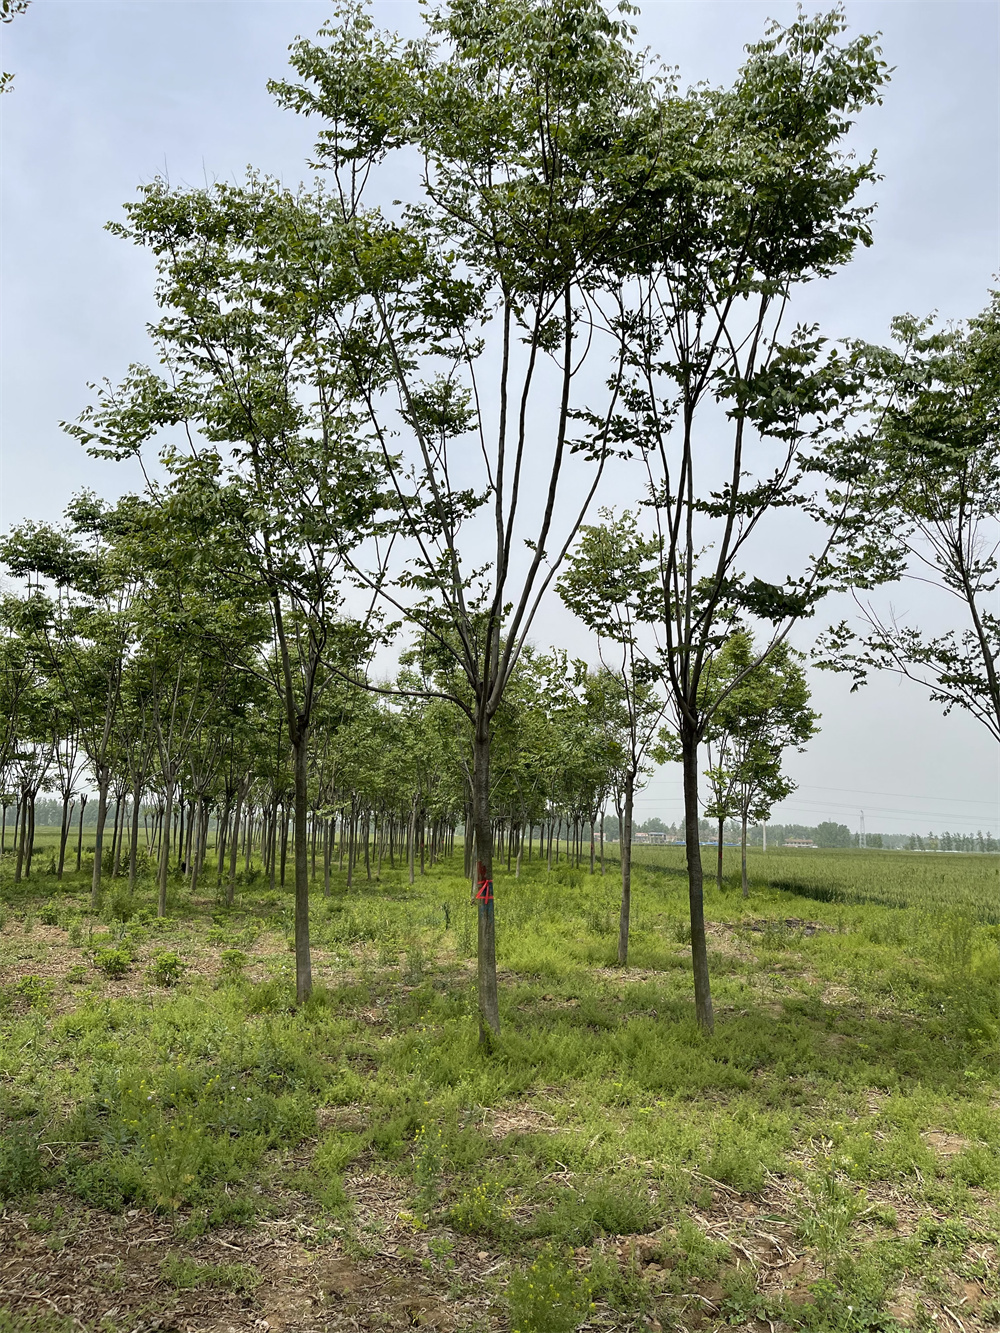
830,1159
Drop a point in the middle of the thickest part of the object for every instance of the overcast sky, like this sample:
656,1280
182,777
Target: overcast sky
109,95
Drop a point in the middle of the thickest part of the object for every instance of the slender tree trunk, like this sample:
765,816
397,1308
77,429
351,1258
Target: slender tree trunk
234,845
3,830
29,853
327,854
489,1007
743,858
283,835
19,824
117,830
467,846
102,815
79,837
164,867
718,864
411,852
696,888
625,833
303,961
133,851
67,815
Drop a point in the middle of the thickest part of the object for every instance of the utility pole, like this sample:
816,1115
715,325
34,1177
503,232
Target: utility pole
763,829
862,838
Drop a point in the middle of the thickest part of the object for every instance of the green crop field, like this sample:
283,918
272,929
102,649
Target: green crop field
917,881
184,1149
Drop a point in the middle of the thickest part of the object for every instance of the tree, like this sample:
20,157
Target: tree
521,118
762,708
934,496
610,584
268,469
738,424
78,616
829,834
8,11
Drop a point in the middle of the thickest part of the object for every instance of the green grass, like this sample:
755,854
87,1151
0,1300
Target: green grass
842,1108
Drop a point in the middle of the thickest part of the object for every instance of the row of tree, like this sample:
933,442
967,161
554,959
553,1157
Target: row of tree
370,417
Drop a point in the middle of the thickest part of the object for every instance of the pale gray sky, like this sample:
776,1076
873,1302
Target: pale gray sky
109,95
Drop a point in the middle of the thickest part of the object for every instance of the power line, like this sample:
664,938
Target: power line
863,791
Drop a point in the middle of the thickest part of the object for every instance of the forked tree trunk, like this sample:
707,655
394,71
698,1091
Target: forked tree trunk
67,814
486,957
696,887
79,836
625,834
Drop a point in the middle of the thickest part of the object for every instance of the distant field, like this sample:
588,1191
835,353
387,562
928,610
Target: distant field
926,881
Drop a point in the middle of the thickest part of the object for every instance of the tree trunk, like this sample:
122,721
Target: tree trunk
327,854
303,962
133,850
102,814
79,838
19,824
489,1007
602,842
743,858
696,888
718,864
164,869
31,836
625,833
234,845
63,835
118,836
412,842
283,835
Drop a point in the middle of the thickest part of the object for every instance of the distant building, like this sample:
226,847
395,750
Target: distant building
799,842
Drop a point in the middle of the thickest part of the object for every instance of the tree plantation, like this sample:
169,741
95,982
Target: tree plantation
338,988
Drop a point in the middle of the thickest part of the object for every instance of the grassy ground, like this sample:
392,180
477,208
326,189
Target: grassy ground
182,1149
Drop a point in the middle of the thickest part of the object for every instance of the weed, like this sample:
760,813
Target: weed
603,1208
21,1170
114,963
167,967
186,1274
829,1213
549,1297
233,966
174,1151
482,1211
428,1159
